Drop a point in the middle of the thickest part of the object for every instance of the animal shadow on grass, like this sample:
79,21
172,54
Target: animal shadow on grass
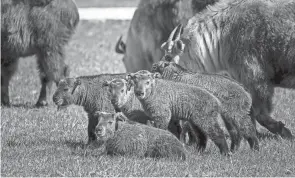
95,149
26,105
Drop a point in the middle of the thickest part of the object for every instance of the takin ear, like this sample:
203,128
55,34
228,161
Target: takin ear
106,83
129,84
163,46
157,75
165,64
130,76
76,84
119,116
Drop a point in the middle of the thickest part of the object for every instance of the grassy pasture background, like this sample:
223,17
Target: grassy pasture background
44,142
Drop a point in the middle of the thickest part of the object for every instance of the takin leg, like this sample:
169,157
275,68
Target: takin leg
262,107
92,123
233,130
175,128
8,68
52,68
248,131
198,136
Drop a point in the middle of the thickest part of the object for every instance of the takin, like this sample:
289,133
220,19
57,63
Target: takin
42,28
86,91
124,99
150,26
236,101
251,39
121,137
165,99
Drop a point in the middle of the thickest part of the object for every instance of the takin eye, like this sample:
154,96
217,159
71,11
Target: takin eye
148,82
66,89
122,90
110,122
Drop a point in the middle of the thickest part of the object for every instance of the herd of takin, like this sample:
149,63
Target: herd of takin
153,112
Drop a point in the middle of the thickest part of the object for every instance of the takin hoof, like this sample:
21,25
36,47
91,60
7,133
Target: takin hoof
286,134
41,104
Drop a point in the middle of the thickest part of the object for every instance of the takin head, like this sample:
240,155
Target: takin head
65,92
143,82
120,91
107,124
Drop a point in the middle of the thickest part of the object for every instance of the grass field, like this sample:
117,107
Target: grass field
108,3
44,142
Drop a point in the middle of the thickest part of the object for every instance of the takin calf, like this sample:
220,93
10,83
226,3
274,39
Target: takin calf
86,91
164,99
251,39
236,101
41,28
124,99
122,138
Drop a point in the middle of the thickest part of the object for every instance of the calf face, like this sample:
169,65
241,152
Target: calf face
119,90
64,94
143,82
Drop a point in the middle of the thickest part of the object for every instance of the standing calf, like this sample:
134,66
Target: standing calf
40,28
164,99
123,138
236,101
124,99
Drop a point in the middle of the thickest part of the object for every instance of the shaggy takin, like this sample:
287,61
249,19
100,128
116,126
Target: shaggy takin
122,138
164,99
251,39
41,28
124,99
86,91
150,26
236,101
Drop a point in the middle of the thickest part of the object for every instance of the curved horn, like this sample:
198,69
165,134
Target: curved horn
178,32
172,34
120,46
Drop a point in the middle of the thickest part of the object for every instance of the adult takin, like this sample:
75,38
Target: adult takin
250,39
40,28
165,99
150,26
121,137
236,101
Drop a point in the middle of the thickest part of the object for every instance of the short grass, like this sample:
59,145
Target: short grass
44,142
106,3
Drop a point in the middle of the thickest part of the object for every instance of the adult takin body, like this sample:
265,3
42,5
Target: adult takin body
251,39
236,101
86,91
124,100
122,137
164,99
40,28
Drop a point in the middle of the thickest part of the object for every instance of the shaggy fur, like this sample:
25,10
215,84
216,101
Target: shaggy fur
164,99
124,99
86,91
150,26
123,138
251,39
236,101
41,28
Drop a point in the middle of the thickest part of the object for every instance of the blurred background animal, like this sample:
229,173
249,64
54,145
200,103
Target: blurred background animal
150,26
41,28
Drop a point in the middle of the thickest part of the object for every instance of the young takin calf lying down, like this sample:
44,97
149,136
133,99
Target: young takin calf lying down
121,137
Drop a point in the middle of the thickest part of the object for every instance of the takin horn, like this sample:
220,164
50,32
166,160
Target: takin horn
120,46
178,32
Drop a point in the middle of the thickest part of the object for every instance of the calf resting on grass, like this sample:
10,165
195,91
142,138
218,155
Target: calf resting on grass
124,100
122,138
236,101
164,99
